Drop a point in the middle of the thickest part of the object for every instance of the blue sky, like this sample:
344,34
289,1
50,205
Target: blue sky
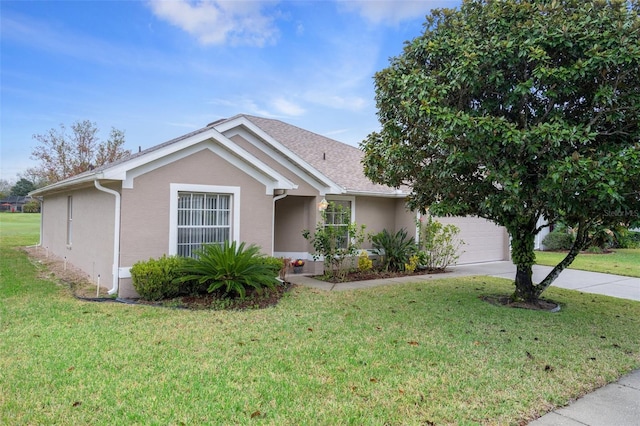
159,69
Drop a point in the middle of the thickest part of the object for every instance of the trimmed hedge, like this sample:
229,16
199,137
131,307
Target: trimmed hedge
558,240
154,279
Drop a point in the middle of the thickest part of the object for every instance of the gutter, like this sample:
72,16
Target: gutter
116,236
63,184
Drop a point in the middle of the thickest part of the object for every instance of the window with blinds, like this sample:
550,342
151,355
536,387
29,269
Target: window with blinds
203,218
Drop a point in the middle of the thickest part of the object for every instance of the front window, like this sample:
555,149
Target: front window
338,215
203,218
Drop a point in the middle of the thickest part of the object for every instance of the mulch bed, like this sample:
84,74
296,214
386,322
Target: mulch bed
538,305
376,275
254,299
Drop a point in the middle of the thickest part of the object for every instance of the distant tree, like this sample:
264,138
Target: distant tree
5,188
63,155
22,187
513,111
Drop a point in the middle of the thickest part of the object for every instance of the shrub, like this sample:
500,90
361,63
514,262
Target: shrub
154,279
278,265
31,207
414,262
627,239
231,267
364,263
335,240
395,249
439,244
558,240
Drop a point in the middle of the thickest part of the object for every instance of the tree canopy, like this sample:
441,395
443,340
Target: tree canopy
22,187
514,111
62,155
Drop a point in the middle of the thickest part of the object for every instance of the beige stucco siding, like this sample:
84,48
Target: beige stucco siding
91,247
293,215
146,212
383,213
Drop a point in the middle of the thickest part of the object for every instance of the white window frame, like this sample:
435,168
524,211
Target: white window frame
175,188
352,208
352,199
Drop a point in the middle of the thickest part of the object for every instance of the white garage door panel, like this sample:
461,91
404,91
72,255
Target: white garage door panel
484,241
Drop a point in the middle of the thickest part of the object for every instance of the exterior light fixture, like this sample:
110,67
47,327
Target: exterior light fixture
322,206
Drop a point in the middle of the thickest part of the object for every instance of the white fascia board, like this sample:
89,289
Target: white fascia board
307,172
396,194
120,171
215,142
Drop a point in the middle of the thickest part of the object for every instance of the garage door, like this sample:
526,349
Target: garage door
484,241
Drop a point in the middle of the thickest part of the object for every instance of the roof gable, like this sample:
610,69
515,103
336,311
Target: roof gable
326,158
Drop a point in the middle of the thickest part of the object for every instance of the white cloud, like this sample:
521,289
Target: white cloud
286,107
239,105
219,22
392,12
332,100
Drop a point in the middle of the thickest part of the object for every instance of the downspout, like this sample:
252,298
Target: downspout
273,220
116,236
41,200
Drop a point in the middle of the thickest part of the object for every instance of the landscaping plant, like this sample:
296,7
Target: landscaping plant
394,249
231,267
155,279
333,242
439,244
558,239
364,263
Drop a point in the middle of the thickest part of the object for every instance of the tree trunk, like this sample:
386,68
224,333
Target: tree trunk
581,242
525,288
523,256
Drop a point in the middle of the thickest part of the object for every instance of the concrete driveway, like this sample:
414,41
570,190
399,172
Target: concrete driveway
587,282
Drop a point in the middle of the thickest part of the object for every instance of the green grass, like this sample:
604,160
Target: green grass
620,262
19,229
404,354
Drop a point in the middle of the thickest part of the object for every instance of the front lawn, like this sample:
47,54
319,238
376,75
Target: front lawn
619,262
429,353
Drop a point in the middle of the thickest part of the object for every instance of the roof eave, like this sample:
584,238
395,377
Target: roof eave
73,181
396,194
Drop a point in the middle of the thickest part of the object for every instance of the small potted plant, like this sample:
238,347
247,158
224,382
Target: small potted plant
297,264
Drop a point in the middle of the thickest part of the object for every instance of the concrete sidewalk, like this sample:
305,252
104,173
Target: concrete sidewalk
614,404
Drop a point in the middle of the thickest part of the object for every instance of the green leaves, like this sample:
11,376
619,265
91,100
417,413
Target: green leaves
394,249
230,267
515,111
335,239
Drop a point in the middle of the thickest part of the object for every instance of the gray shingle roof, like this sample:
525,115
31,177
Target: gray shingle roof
338,161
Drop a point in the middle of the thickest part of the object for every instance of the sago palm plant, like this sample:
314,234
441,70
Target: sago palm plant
231,267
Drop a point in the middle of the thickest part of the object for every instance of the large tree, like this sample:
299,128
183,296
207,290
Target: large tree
62,155
22,187
514,111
